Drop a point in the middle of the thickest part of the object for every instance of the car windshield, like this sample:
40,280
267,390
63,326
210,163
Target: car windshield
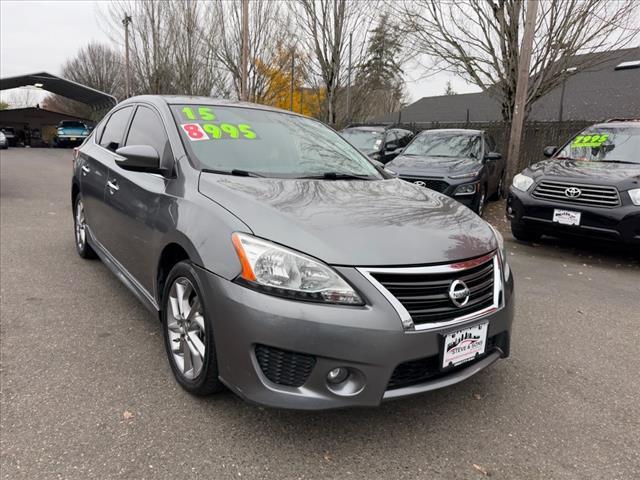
366,141
71,124
604,144
267,143
445,144
9,130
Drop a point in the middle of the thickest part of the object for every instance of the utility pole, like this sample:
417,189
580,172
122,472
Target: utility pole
349,82
127,79
244,94
293,66
522,87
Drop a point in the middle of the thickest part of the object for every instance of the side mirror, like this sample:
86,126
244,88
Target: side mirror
493,156
391,147
139,158
550,151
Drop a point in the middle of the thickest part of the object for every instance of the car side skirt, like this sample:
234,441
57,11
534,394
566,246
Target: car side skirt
125,277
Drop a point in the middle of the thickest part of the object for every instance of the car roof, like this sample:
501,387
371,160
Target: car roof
367,128
468,131
618,123
199,100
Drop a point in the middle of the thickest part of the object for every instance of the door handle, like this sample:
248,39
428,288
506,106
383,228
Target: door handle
113,186
85,169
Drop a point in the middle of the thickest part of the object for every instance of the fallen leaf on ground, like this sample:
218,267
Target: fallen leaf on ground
127,415
481,469
327,456
477,396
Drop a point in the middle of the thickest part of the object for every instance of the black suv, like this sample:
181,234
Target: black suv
379,142
461,163
589,187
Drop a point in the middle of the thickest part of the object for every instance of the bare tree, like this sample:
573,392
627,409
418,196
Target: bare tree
268,34
23,97
479,40
97,66
324,27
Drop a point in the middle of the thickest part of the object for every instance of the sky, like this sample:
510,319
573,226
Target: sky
40,35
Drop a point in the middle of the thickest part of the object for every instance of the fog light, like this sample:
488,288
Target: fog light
337,375
510,210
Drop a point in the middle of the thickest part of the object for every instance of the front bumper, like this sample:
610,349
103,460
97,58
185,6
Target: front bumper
620,224
369,340
71,138
450,185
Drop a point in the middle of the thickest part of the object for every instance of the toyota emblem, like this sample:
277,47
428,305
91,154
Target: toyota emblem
420,183
573,192
459,293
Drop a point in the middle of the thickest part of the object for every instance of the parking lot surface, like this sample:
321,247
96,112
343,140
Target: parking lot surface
86,390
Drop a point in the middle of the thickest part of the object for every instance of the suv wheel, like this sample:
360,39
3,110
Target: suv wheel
524,234
80,228
500,189
482,200
188,332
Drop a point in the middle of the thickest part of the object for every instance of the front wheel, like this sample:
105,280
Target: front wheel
482,199
500,193
188,332
80,227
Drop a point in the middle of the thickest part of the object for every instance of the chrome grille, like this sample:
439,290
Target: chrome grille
593,195
432,183
423,292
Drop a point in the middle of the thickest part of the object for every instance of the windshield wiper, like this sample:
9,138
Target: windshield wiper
337,176
235,172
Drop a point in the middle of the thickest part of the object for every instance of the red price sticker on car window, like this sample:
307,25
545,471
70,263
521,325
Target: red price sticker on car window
194,131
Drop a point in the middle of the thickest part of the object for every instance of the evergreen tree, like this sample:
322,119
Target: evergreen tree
382,68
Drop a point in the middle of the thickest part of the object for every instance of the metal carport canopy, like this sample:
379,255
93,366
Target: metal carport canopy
96,99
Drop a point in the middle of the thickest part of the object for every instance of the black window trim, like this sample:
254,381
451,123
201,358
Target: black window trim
136,106
106,122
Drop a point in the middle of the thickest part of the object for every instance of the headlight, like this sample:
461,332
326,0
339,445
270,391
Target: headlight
503,252
466,175
277,270
522,182
635,196
468,189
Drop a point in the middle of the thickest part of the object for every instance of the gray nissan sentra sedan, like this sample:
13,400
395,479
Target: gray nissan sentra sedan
281,262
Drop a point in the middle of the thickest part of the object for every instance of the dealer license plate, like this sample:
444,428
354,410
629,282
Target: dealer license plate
566,217
464,345
73,139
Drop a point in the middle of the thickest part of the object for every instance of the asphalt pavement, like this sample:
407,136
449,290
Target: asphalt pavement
86,390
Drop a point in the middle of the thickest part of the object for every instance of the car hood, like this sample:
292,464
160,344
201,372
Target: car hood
355,223
621,175
433,166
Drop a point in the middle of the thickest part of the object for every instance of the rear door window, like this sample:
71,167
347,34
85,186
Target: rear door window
114,129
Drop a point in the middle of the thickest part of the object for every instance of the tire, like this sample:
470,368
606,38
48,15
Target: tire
188,332
524,234
80,230
481,201
500,193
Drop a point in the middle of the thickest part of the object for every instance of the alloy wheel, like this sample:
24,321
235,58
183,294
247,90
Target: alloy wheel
481,201
81,227
186,328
